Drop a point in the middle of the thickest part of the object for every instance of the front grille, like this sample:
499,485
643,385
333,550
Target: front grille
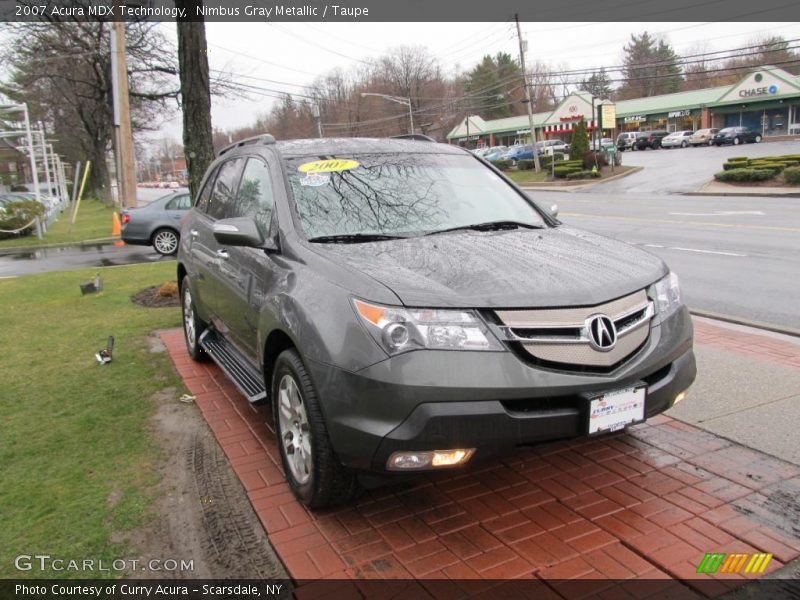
562,336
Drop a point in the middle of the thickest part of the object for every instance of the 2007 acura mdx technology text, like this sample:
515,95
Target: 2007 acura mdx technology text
405,307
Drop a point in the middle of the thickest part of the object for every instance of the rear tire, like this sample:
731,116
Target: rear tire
165,241
736,141
310,465
684,144
193,326
710,142
758,139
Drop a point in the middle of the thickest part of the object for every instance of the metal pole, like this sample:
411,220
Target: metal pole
411,116
75,176
536,165
46,160
31,155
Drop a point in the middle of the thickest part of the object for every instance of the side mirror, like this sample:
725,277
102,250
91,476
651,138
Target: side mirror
242,231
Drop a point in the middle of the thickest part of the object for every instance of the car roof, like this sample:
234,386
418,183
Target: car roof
323,147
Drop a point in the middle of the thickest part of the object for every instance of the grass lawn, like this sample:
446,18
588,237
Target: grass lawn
529,176
76,452
93,222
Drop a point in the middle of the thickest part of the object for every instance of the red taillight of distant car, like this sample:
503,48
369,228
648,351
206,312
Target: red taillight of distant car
125,218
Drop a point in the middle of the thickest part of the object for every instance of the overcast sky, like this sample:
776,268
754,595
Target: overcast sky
295,53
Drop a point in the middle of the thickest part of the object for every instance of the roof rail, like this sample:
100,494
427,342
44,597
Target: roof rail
265,139
414,136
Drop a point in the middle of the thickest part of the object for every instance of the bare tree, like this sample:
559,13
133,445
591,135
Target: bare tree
63,72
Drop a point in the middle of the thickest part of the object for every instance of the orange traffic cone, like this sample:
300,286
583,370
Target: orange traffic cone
116,229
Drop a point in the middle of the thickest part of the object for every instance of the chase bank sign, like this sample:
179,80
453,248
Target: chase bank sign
758,91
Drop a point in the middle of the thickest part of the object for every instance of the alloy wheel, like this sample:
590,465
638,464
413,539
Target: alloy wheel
188,317
165,242
294,430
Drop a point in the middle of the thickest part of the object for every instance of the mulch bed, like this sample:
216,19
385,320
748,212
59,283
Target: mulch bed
151,298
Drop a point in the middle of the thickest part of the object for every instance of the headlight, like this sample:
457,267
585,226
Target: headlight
402,329
667,292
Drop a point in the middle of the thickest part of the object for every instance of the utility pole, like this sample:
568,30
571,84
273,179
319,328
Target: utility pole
536,164
126,178
317,117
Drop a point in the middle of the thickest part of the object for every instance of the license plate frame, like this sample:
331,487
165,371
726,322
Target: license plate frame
614,410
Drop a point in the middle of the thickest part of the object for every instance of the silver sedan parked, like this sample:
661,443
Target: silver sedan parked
157,224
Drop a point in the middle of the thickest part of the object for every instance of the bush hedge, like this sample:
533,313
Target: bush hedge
585,174
590,159
735,165
744,175
563,171
18,214
791,175
503,165
525,164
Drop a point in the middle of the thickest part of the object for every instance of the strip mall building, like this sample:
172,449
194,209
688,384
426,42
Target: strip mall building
766,100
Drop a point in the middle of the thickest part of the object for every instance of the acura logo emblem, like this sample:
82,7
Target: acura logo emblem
602,333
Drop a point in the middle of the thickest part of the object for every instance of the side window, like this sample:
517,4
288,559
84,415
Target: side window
205,193
255,198
223,195
181,202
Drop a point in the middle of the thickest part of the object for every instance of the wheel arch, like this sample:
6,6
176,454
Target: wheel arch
277,341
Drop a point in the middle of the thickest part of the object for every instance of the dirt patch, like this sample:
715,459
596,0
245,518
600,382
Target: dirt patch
154,297
202,512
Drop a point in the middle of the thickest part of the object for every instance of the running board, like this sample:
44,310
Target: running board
247,380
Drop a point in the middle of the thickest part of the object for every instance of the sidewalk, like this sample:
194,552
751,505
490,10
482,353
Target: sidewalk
646,504
717,188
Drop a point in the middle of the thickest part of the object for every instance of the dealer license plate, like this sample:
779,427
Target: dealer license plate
614,410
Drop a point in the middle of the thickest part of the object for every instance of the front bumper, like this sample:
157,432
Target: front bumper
491,401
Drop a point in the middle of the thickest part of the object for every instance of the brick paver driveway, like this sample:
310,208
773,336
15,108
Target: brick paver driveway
645,504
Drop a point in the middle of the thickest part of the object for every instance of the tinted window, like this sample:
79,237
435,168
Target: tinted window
205,193
255,198
223,196
182,202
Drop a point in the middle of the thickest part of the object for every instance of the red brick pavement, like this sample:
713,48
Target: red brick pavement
644,504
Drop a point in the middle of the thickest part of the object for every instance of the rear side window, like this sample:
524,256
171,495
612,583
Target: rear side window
223,196
255,198
182,202
205,193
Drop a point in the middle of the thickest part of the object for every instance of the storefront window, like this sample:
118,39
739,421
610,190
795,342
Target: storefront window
776,121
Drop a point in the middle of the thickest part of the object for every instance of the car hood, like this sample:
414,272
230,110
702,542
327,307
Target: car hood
560,266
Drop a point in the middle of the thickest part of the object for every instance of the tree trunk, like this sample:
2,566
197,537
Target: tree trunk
195,95
99,182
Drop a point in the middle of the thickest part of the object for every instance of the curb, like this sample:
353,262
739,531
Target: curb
746,322
549,187
96,242
732,191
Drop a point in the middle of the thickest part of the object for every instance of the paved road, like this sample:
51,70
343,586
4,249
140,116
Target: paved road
735,256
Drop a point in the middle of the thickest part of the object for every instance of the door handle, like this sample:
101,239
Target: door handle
222,253
194,233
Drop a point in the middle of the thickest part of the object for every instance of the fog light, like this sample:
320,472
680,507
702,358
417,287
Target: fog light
401,461
679,397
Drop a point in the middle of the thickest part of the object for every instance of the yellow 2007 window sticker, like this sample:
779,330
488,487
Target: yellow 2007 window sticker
333,165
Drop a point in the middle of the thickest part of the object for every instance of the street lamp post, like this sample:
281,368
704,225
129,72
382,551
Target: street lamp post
399,100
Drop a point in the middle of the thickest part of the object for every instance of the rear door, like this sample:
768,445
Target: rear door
176,208
250,273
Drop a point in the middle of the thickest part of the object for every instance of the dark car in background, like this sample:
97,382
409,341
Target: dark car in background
736,136
405,308
650,139
158,224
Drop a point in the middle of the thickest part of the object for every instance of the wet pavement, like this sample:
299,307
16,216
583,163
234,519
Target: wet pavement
27,262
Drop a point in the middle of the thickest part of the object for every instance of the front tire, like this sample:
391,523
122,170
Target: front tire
710,142
736,141
312,469
193,326
758,139
165,241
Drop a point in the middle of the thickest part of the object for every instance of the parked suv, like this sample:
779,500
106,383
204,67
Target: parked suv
651,139
626,140
405,307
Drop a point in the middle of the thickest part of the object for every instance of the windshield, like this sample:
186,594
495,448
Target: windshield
401,194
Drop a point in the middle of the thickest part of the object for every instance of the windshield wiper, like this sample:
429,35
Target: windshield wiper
354,238
489,226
